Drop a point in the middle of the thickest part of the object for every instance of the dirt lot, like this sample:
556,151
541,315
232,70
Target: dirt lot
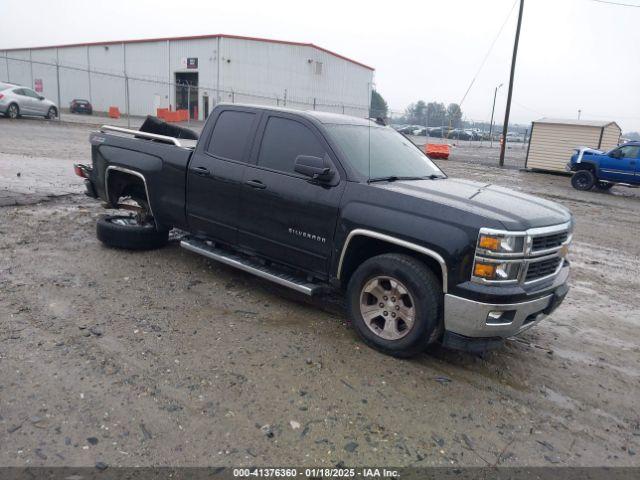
166,358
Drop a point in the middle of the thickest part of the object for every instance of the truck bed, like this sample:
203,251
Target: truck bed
160,160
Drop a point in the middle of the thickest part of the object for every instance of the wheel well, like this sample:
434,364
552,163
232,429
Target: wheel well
585,166
122,184
362,248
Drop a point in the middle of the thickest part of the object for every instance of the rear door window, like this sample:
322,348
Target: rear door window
232,135
283,141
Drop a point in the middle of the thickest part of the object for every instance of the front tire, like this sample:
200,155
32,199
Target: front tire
126,232
52,113
395,304
583,180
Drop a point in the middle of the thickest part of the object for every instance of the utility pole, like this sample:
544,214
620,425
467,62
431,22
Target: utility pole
579,113
505,126
493,109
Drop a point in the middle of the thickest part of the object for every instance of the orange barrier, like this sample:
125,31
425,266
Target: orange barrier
161,112
437,150
114,112
172,116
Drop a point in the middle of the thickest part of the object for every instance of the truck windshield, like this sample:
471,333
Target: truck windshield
382,153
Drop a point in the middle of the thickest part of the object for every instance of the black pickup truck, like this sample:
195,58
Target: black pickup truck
316,201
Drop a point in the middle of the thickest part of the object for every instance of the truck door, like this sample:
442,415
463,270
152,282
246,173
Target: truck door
284,216
215,172
620,164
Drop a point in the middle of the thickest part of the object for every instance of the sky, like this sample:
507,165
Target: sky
573,54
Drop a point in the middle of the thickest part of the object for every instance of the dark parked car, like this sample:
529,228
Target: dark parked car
459,134
409,129
81,106
316,201
440,132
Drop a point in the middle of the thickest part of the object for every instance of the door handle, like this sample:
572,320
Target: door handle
203,172
256,184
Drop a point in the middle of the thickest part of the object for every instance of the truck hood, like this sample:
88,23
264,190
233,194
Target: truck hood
585,151
514,210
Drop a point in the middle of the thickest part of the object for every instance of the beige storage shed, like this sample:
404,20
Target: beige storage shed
553,140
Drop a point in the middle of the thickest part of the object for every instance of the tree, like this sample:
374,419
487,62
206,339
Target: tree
632,135
416,113
379,106
436,114
433,114
454,114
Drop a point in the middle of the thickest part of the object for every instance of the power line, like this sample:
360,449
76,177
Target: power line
528,108
488,52
617,3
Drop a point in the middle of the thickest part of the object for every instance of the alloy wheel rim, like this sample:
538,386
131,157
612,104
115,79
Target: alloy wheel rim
582,181
126,222
13,111
387,307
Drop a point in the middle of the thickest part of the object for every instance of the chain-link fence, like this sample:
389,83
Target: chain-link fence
136,95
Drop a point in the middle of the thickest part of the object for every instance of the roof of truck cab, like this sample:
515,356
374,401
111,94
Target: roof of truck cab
322,117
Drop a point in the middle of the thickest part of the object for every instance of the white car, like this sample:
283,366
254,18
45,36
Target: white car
16,100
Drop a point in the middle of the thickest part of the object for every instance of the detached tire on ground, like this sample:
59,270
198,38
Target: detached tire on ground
583,180
395,304
122,231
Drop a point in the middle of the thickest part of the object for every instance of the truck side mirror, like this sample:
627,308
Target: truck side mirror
316,168
616,153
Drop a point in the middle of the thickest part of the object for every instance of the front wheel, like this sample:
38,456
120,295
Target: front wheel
395,304
121,231
52,113
583,180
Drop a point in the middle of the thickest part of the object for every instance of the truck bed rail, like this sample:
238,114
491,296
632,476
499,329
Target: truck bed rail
138,133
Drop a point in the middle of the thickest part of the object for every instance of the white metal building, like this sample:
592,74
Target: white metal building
553,140
193,73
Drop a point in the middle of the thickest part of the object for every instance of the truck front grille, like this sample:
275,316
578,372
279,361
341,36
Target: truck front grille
548,241
543,268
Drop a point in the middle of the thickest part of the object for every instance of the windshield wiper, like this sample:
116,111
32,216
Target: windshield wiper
393,178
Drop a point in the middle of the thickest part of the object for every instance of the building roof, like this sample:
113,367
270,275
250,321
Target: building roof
577,123
196,37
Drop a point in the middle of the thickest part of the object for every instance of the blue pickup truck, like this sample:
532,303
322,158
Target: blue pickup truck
603,170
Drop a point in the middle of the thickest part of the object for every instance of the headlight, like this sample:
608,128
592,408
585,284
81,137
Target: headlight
496,271
501,244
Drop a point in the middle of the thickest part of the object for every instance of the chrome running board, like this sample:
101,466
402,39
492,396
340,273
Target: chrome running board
240,262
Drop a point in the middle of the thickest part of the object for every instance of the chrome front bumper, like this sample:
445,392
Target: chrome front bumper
471,318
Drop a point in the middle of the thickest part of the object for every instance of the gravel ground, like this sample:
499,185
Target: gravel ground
166,358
